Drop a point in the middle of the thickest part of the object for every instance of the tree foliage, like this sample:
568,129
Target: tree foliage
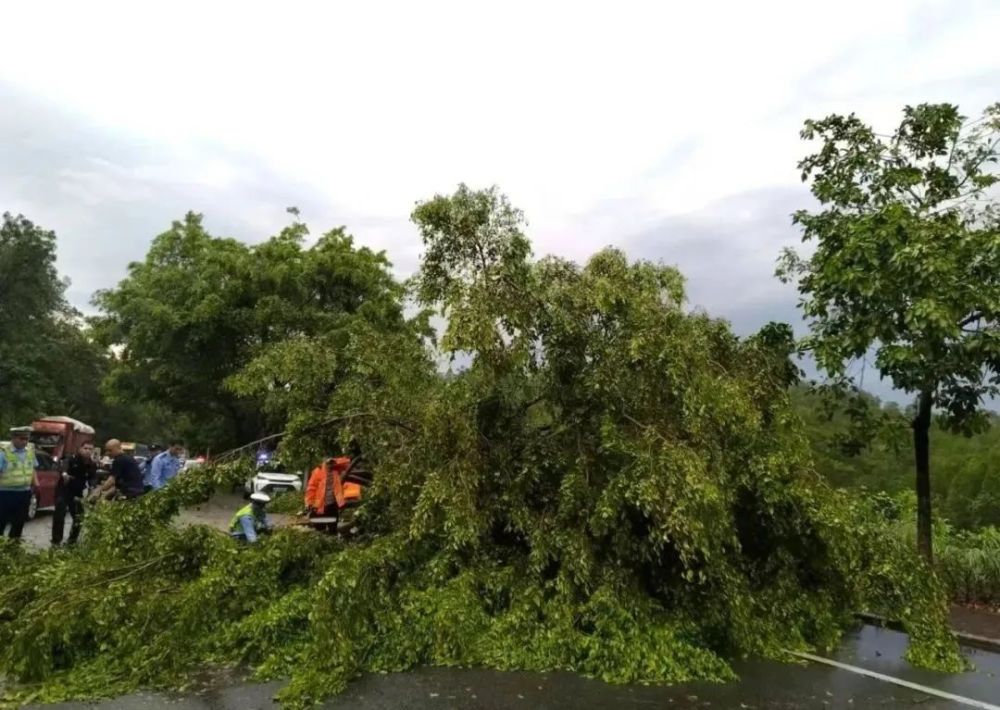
49,361
906,262
612,486
32,303
966,469
200,321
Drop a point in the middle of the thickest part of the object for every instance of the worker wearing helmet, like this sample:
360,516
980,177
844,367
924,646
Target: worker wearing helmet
251,520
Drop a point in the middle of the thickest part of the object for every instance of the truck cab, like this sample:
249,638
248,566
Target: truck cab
55,440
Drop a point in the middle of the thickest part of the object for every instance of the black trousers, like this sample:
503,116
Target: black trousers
65,502
14,512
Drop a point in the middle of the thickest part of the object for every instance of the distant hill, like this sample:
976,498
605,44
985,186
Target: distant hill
965,471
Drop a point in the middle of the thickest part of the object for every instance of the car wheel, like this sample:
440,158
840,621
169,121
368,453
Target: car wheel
33,506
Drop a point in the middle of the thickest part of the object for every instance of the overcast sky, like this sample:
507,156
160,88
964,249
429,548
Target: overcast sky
667,129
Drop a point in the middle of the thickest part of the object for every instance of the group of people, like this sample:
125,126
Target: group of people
78,479
327,494
327,491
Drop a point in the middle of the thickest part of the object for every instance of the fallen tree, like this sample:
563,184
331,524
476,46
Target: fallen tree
611,485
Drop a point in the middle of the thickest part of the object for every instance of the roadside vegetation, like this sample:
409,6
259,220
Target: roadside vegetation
612,486
905,268
603,481
876,461
969,566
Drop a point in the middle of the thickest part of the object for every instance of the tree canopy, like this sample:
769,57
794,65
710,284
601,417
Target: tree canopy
49,361
202,320
906,262
32,305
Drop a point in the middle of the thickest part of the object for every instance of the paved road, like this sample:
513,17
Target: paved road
217,512
763,686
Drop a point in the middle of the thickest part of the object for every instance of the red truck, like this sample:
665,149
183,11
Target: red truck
55,440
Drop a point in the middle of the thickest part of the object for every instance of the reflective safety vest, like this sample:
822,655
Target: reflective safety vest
18,474
343,491
234,524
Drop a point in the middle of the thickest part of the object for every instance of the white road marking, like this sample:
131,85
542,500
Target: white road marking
898,681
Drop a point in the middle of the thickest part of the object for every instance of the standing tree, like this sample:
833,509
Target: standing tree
907,263
31,298
49,361
200,309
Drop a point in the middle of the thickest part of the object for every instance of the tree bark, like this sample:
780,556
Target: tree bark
922,450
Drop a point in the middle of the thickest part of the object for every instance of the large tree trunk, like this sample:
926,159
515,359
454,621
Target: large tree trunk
922,451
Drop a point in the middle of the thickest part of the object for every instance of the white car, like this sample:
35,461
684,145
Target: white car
273,482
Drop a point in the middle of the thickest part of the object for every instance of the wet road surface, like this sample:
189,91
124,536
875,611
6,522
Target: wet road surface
762,686
216,512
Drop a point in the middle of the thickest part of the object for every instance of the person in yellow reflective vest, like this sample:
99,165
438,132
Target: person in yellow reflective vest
251,520
17,473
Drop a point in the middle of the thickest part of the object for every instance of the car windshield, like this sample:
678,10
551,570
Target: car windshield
45,462
45,440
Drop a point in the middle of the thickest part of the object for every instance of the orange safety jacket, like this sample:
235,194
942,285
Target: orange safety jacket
343,492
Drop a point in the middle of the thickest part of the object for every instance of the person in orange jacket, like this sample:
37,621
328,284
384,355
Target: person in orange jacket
327,492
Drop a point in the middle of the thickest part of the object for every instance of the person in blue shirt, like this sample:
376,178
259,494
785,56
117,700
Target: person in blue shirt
251,520
164,466
147,465
17,473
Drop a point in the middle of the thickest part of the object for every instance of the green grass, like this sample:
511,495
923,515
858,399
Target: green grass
969,565
966,562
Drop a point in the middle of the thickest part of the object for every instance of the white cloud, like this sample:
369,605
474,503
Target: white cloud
601,120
